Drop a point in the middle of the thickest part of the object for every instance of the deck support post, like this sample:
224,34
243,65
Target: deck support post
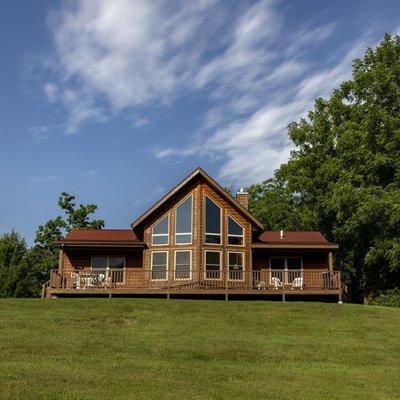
168,296
283,297
340,298
226,296
109,295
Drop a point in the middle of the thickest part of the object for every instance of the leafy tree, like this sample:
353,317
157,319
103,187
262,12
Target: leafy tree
346,170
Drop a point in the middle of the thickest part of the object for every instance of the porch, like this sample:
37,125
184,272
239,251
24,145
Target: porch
193,282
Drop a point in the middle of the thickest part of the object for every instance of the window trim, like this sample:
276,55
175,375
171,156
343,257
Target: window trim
221,217
166,265
186,233
243,266
220,264
160,234
227,232
190,264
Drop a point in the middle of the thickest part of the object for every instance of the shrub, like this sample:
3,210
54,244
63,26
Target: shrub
390,298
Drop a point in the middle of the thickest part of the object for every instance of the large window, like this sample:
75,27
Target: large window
183,222
110,268
235,233
183,260
212,264
285,270
160,232
236,265
213,222
159,265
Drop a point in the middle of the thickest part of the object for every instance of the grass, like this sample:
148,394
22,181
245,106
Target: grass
184,349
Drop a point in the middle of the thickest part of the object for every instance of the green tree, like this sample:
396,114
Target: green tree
346,170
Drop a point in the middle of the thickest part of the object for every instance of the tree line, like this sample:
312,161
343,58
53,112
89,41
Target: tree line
342,179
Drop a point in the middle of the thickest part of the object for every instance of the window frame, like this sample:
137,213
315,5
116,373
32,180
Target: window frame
221,218
176,214
285,270
166,265
160,234
227,232
190,264
220,265
243,266
107,268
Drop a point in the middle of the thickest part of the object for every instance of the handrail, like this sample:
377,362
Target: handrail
171,280
45,286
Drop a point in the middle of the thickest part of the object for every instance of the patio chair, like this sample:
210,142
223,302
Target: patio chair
276,283
297,283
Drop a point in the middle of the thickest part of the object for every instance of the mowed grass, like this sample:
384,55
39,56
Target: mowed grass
195,349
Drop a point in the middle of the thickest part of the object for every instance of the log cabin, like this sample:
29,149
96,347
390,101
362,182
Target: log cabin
198,240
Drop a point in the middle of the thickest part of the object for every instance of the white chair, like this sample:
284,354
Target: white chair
276,283
297,283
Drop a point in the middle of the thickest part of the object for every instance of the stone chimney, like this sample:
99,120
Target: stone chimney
243,198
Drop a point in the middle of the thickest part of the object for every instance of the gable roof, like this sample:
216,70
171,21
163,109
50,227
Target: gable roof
101,237
216,186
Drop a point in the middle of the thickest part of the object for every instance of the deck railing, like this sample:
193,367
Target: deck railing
171,280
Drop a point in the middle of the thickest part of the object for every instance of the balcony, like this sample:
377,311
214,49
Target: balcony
138,281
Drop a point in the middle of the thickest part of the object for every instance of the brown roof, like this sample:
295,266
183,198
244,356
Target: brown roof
200,172
101,236
293,238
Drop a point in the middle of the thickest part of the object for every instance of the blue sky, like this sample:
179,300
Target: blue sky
116,101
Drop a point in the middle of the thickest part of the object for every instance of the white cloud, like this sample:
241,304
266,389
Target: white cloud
47,178
256,75
39,133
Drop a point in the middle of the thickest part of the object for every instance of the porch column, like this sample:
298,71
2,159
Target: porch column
330,261
61,259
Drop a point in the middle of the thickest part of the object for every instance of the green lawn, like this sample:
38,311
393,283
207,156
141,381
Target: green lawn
184,349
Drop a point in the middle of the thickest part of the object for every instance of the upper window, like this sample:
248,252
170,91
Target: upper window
235,233
213,222
160,231
183,222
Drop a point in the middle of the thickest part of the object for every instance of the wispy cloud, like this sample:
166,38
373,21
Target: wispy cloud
39,133
47,178
255,75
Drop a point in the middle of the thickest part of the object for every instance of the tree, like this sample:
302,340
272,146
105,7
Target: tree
346,170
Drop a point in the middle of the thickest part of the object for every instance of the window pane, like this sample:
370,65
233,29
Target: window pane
183,238
235,261
213,259
160,239
213,217
278,263
182,266
99,262
117,262
160,259
161,226
184,217
294,263
159,265
234,228
235,240
214,239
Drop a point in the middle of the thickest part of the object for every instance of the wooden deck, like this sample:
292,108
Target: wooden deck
137,282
